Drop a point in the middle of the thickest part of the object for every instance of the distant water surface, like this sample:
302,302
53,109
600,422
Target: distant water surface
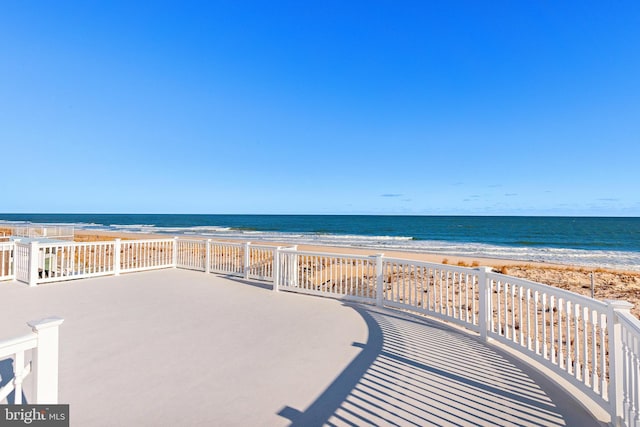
588,241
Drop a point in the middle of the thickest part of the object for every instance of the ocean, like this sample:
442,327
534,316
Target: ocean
585,241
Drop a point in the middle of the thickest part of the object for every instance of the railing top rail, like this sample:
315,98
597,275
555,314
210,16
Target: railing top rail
629,321
557,292
218,243
13,345
199,241
165,240
436,265
67,244
265,246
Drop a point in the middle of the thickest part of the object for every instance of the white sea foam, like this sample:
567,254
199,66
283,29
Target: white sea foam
125,226
356,237
10,223
199,229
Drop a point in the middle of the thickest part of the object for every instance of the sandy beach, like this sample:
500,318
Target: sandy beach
609,284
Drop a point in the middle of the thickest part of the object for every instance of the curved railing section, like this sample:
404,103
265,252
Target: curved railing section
592,344
446,292
565,331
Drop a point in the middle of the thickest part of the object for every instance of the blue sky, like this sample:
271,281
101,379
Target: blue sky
375,107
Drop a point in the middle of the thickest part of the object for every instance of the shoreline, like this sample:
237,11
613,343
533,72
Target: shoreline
412,255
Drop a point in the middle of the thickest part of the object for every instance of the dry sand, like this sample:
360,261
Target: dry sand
609,284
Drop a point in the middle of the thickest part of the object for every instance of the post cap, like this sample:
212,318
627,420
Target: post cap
619,304
47,322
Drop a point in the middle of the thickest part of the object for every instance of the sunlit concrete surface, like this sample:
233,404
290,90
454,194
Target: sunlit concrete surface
175,347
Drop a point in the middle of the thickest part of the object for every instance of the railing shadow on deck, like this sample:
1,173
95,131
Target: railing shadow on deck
421,372
248,282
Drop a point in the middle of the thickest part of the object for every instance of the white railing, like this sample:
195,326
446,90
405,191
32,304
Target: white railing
260,261
140,255
238,259
447,292
22,261
628,360
7,265
227,258
192,254
73,260
36,352
571,334
49,232
565,331
592,344
37,262
349,277
60,261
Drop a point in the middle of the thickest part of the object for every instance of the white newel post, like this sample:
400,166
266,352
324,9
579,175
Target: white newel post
276,269
616,392
34,261
207,257
247,260
174,260
116,257
379,279
484,304
288,266
45,359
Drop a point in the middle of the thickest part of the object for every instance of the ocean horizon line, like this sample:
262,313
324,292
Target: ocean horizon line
332,214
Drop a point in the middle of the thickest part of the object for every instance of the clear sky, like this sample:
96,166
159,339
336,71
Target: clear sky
375,107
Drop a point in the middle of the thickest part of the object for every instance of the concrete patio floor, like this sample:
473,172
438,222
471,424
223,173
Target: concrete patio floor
176,347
